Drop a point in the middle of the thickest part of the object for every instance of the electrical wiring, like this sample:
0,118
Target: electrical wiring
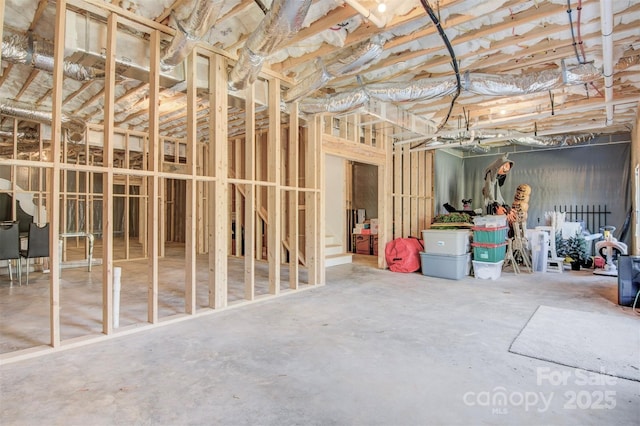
579,41
454,61
573,34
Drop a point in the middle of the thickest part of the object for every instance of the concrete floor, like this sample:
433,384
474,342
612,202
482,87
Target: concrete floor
371,347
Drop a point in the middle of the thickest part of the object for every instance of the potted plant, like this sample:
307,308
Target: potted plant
576,248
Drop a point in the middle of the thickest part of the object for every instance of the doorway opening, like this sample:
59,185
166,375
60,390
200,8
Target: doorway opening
362,211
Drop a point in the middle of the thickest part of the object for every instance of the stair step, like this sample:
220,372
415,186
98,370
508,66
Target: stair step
329,240
338,259
333,249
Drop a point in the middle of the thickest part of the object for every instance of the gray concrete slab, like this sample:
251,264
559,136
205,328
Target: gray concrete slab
370,348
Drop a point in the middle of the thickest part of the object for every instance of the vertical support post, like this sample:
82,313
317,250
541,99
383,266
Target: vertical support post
107,176
54,188
127,199
320,167
274,228
239,217
153,190
312,239
192,189
249,194
385,202
293,196
2,29
397,192
415,199
406,191
218,109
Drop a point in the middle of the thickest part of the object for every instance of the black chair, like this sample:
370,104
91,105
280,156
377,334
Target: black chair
10,245
37,244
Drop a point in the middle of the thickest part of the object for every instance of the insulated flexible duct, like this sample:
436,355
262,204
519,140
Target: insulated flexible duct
283,20
349,62
556,140
482,84
196,25
74,126
27,50
28,134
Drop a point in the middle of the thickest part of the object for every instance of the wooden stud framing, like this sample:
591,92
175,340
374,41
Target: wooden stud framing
153,195
293,196
218,111
385,203
212,182
2,25
127,198
191,207
249,194
107,179
274,229
312,239
239,213
54,178
406,187
414,199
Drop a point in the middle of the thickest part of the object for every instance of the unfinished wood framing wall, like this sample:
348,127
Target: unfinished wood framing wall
263,185
412,191
405,179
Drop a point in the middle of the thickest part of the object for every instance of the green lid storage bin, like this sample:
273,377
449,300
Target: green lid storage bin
489,235
485,252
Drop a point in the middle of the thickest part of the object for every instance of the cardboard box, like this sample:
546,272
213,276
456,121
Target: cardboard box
363,244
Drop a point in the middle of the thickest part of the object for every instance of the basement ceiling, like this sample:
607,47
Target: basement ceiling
564,70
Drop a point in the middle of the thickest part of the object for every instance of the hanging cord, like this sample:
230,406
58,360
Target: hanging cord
573,34
454,61
581,44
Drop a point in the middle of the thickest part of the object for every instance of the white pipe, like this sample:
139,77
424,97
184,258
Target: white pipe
606,26
365,12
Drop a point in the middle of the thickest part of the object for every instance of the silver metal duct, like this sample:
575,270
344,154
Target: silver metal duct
27,50
556,140
340,102
478,83
349,62
482,140
511,85
580,74
27,134
74,126
310,84
413,91
283,20
514,85
190,30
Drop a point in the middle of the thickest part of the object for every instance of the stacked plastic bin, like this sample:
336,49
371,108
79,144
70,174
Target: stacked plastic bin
446,253
489,245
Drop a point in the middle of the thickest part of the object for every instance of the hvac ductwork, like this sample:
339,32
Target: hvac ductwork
511,85
190,30
349,62
552,141
283,20
23,135
481,140
482,84
75,127
27,50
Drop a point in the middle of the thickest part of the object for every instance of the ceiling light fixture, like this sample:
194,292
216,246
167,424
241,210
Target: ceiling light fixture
382,7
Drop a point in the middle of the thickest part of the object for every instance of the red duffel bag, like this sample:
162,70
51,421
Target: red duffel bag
403,254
